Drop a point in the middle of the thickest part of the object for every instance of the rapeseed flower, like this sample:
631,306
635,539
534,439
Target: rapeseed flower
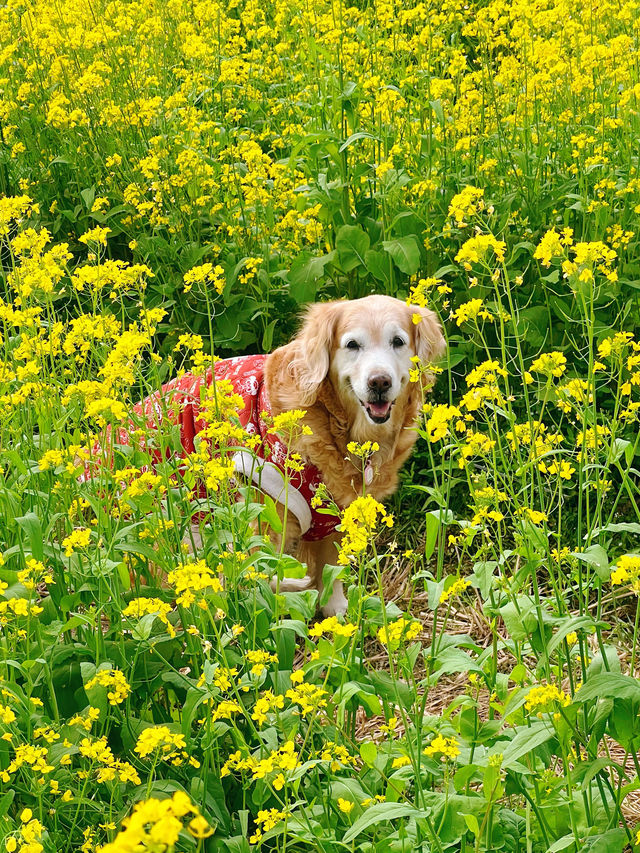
446,747
117,685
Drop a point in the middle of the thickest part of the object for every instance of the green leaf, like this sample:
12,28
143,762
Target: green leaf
88,197
330,575
575,624
609,684
436,106
472,823
392,689
351,244
304,274
270,514
618,527
612,841
405,253
454,660
562,843
377,263
301,603
32,526
267,337
369,753
354,138
432,520
482,577
595,556
520,617
5,802
381,812
526,739
195,697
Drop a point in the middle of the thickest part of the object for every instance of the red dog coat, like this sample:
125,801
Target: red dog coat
265,467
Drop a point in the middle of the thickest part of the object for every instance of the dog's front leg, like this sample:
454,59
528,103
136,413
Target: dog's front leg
317,555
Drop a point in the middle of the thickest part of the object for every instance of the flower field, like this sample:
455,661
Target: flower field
176,180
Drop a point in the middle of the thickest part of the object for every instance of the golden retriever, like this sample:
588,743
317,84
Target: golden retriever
348,367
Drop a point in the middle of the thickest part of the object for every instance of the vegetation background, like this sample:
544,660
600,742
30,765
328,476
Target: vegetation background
177,179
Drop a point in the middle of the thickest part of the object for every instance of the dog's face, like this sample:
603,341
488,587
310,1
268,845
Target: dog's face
371,356
365,346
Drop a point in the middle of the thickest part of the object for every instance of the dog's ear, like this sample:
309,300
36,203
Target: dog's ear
312,349
296,371
429,340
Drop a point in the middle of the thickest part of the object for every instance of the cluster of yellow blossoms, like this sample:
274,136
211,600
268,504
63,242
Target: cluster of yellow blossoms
156,824
117,685
360,521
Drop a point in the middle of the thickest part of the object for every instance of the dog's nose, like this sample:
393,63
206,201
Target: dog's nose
379,383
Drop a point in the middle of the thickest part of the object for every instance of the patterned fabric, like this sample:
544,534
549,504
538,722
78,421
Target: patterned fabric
265,467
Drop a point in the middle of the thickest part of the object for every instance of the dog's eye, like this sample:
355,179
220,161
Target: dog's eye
352,345
397,342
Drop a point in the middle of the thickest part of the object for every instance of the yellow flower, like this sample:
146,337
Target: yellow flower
465,204
402,630
199,827
447,747
456,588
439,419
139,607
80,538
345,806
289,424
359,523
333,626
191,578
470,311
364,450
117,686
205,274
627,570
550,364
544,696
155,823
161,740
551,246
475,249
95,235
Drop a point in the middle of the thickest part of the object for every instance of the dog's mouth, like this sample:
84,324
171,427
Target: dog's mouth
379,411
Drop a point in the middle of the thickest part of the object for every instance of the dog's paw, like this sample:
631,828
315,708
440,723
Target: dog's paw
337,604
290,584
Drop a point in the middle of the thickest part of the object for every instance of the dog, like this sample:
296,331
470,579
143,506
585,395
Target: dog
348,368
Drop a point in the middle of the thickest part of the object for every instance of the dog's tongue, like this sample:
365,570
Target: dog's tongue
379,410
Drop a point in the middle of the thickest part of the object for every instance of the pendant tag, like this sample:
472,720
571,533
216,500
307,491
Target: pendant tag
368,474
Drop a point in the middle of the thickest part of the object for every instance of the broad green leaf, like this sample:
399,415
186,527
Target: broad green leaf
571,625
562,843
482,577
368,752
378,264
595,556
351,245
618,527
32,526
472,823
609,684
405,253
526,739
355,137
329,575
432,521
381,812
